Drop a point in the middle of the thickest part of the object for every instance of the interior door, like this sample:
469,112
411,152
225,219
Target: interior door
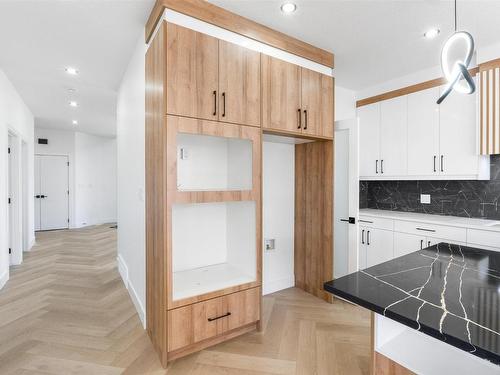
317,103
38,201
281,95
10,211
423,133
54,212
369,140
192,73
394,137
458,135
239,84
346,198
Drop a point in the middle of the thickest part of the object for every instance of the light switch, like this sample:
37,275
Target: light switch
425,198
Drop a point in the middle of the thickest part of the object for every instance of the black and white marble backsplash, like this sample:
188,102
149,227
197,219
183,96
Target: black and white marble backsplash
479,199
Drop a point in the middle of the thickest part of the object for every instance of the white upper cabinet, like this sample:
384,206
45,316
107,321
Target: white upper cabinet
423,133
393,137
369,142
458,135
412,138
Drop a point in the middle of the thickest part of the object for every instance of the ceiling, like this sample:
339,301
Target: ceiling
373,41
39,39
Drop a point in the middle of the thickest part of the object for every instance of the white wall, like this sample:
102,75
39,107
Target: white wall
345,103
278,196
14,116
95,179
131,179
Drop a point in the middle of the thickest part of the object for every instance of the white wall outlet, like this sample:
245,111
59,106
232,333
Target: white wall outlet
425,198
269,244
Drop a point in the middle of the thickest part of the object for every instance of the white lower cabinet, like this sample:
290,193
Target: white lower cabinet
376,246
405,243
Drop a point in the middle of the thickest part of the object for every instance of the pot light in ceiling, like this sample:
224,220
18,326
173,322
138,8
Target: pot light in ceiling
72,103
432,33
71,71
288,8
74,122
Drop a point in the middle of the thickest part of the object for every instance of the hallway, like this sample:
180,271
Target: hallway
65,310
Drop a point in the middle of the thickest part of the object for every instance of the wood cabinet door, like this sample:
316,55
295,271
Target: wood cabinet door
317,103
192,73
281,95
239,84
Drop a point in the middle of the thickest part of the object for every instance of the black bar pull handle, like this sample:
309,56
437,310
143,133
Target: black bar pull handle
219,317
435,157
376,166
421,244
382,166
363,236
38,196
223,104
215,102
426,230
305,119
428,243
300,118
368,238
442,163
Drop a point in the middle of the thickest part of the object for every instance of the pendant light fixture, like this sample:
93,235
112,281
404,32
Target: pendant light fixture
457,74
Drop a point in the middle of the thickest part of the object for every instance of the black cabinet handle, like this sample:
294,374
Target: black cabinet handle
428,243
382,166
223,104
38,196
363,236
365,221
300,118
421,244
368,238
305,119
435,157
442,163
43,196
426,230
376,166
215,103
219,317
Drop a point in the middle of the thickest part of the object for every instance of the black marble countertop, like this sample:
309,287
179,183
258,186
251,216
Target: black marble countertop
449,292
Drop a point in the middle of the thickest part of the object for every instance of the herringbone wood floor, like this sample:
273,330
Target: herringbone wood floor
66,311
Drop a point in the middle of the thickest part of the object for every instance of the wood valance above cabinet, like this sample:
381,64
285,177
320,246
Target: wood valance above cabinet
489,115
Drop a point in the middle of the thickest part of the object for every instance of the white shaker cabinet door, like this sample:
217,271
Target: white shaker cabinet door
362,248
394,137
458,135
423,133
379,246
405,243
369,140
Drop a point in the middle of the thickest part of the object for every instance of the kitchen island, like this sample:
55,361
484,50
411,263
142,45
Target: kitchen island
436,309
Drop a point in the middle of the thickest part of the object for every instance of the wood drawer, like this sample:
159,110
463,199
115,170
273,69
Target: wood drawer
376,222
452,234
203,320
478,238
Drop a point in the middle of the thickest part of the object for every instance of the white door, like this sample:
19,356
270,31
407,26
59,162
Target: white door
53,192
393,137
38,225
379,246
423,133
405,243
10,210
346,198
458,135
369,140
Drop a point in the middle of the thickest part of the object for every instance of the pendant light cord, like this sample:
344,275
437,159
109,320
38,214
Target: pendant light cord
455,15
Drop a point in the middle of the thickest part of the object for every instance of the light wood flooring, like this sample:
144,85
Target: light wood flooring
65,311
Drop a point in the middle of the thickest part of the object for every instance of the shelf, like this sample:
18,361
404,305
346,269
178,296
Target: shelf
207,279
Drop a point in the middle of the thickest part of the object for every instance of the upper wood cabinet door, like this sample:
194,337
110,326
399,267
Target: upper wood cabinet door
239,84
192,73
317,103
280,95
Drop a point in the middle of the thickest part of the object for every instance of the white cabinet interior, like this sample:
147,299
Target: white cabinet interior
410,137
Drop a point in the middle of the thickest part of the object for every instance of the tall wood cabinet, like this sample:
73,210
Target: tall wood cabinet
206,101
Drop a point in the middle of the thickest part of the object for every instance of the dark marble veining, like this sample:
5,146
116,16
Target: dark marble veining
447,291
478,199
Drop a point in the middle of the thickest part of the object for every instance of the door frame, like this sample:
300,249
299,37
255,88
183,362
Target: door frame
352,126
15,193
69,203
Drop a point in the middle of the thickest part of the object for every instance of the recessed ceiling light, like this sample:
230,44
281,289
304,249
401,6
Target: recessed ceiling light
75,122
71,91
432,33
72,71
73,104
288,8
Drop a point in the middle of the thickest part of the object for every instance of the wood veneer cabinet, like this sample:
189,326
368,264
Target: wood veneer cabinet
211,79
296,100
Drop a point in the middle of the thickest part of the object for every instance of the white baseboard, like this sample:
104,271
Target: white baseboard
123,270
95,222
31,244
269,287
4,278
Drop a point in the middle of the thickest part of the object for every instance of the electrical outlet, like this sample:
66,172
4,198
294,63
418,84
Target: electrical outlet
269,244
425,198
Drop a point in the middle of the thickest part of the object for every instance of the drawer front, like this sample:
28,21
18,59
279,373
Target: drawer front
376,222
452,234
478,238
203,320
